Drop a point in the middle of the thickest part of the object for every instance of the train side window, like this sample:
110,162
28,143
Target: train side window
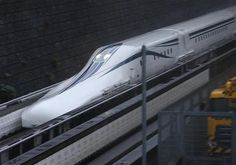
168,51
195,40
171,51
164,52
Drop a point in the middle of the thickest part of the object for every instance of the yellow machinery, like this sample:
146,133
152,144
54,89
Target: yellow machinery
222,99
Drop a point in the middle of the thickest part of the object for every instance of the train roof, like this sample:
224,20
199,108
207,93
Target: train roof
232,9
203,21
170,32
155,36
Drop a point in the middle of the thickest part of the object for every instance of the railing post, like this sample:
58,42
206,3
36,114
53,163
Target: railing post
144,124
233,144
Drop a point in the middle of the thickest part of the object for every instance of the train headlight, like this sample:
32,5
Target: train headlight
98,56
107,56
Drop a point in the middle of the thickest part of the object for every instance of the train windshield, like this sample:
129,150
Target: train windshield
106,53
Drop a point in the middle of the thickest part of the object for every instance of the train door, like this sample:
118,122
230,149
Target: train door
135,71
134,75
186,51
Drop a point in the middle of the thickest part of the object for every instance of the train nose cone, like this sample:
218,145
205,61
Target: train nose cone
36,115
26,119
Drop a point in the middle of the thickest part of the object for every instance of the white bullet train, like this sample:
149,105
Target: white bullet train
120,63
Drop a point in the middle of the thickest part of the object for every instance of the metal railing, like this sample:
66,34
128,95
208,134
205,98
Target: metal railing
30,96
184,137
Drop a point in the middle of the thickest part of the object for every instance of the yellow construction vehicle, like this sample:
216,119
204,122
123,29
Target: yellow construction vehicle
222,99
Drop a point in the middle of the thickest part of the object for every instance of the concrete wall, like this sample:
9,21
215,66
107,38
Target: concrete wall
46,41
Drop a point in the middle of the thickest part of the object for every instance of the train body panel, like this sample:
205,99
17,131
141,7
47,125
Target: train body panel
66,101
121,63
202,33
